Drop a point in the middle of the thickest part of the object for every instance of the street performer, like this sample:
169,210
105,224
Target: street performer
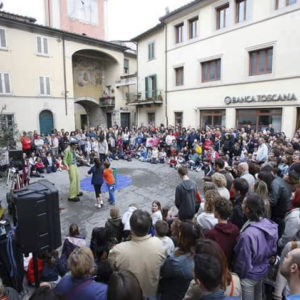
69,161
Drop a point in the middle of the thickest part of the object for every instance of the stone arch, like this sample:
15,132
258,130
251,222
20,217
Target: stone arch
94,113
93,78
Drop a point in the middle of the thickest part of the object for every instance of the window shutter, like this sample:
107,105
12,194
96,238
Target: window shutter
42,90
1,80
2,38
47,85
149,51
6,83
39,44
146,87
153,50
45,45
154,87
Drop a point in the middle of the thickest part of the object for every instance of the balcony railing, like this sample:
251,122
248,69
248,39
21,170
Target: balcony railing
107,101
126,80
149,96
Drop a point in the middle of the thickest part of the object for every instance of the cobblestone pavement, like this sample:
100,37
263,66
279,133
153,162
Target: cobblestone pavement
149,182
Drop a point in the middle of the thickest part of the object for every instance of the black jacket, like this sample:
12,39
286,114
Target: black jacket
280,198
185,199
238,217
115,228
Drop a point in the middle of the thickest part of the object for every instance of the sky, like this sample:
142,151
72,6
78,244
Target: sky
126,18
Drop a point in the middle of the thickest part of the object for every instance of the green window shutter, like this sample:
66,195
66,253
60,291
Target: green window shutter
154,87
149,51
146,87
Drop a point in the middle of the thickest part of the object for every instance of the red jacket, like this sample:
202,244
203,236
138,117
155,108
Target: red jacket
225,235
30,271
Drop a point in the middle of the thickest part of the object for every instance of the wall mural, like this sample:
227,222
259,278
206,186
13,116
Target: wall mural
88,71
88,77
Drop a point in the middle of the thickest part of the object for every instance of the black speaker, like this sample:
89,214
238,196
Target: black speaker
37,215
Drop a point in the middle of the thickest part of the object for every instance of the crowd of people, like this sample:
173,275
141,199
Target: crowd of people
239,238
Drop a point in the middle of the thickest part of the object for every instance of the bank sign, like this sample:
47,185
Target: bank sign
260,98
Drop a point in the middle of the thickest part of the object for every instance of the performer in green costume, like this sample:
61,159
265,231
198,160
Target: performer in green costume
69,161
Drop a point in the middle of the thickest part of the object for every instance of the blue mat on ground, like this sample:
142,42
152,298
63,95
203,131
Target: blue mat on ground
123,181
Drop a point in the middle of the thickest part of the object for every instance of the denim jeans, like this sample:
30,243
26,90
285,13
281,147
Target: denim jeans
111,191
251,289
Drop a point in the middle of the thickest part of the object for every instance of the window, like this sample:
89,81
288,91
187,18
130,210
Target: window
3,38
290,2
44,86
4,83
7,121
179,76
151,118
151,51
222,16
261,61
212,118
259,119
242,10
193,23
151,91
178,118
126,66
211,70
179,33
42,45
284,3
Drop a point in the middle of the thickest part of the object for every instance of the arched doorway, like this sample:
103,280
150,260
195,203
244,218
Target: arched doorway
46,122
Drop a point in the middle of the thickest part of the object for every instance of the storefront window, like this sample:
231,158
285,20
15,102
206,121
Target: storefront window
259,119
212,118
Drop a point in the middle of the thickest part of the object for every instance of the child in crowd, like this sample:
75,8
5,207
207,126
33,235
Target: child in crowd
162,156
194,160
94,145
30,270
74,240
161,230
59,164
156,212
154,156
207,167
128,153
39,166
110,182
114,225
52,268
180,160
97,181
173,161
125,219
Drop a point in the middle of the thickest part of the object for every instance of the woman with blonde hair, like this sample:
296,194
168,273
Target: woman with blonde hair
80,283
207,218
220,181
261,188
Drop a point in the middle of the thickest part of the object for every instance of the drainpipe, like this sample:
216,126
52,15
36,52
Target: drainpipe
65,76
166,76
137,83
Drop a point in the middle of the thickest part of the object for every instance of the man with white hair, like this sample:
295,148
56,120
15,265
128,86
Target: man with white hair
243,169
290,269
